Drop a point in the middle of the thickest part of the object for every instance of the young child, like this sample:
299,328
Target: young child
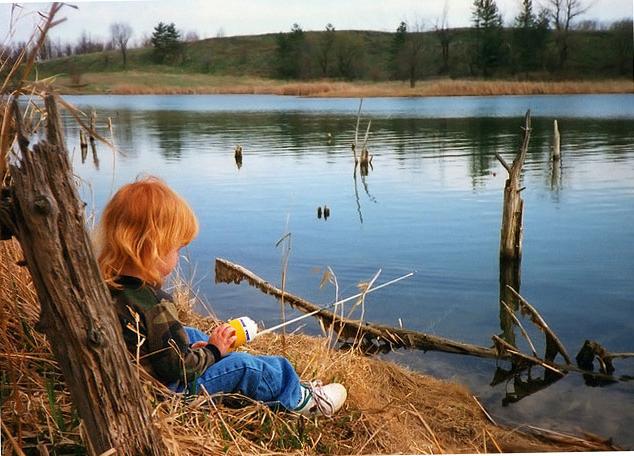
140,233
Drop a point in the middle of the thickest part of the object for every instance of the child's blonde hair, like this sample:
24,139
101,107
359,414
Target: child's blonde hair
142,223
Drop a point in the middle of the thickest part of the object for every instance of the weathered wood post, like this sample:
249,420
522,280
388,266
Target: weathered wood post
556,142
42,210
83,145
513,210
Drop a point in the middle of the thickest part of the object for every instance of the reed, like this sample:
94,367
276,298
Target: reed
390,409
137,82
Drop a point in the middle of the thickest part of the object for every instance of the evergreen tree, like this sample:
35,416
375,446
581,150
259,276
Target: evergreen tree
167,43
326,44
529,37
488,52
291,53
398,43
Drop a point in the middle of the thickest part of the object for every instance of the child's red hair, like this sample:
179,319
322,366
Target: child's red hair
142,223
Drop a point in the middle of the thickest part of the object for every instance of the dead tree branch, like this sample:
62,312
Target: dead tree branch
553,344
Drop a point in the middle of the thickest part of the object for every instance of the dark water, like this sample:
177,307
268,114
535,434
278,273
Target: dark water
432,204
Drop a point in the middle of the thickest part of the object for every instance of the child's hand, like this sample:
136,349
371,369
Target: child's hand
223,337
199,344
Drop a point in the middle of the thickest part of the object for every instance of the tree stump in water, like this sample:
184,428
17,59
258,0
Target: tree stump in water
513,210
556,142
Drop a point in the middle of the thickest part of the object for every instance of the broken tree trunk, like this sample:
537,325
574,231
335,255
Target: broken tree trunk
513,210
43,211
556,142
370,334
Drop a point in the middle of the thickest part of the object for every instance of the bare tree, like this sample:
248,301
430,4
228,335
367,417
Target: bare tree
562,13
349,54
444,37
121,33
87,44
326,44
621,39
192,36
411,54
46,50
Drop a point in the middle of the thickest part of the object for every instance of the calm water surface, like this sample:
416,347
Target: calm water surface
431,204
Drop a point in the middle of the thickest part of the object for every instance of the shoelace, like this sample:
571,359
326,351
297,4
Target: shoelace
321,399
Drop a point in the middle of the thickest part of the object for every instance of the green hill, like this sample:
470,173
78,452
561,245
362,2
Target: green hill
593,54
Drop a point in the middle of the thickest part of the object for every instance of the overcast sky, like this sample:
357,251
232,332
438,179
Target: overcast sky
245,17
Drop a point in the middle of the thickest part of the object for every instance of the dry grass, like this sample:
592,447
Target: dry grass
135,82
390,409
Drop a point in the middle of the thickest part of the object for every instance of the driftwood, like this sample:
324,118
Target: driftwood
42,210
513,210
591,350
370,334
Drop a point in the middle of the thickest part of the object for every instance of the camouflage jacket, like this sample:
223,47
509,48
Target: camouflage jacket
158,338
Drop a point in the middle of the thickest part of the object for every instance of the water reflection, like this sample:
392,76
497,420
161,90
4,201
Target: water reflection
524,383
555,176
169,128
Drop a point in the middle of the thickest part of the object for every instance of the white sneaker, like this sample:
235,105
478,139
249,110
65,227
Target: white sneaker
321,399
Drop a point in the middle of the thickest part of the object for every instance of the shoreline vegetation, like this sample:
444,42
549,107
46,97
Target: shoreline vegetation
390,408
151,83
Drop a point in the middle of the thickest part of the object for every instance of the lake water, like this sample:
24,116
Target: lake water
432,204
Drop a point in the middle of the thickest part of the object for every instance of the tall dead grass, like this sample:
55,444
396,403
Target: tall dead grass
138,83
390,409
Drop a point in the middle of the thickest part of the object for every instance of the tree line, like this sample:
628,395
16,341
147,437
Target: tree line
537,42
120,39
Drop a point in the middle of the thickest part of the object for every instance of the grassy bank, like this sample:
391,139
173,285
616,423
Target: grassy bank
144,82
390,409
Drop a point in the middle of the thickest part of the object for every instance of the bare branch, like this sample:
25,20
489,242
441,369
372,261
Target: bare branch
539,321
503,162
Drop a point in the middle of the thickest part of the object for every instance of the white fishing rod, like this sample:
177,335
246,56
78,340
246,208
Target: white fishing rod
247,330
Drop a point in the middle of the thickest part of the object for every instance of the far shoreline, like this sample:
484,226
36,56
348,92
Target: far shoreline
148,83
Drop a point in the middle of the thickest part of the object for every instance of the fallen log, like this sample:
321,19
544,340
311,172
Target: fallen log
367,334
382,337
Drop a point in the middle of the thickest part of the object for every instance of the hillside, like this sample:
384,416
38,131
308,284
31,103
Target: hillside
362,55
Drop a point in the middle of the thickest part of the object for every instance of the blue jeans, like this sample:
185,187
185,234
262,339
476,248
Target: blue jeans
268,379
